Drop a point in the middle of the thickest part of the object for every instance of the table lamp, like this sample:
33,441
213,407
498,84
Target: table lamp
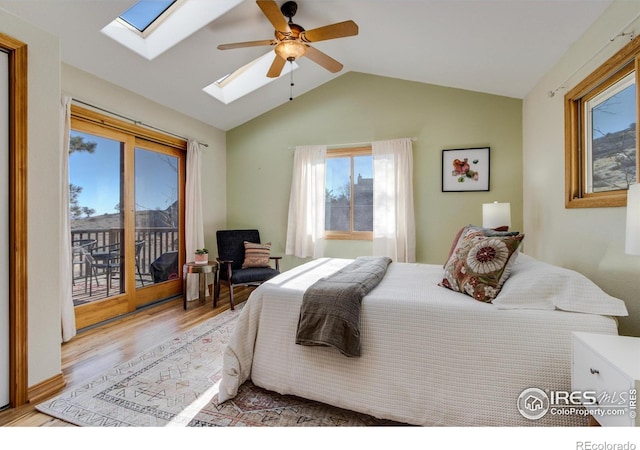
496,215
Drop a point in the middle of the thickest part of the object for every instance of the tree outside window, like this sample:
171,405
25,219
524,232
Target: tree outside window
349,194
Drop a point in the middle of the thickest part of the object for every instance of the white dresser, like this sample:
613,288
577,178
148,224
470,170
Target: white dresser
606,372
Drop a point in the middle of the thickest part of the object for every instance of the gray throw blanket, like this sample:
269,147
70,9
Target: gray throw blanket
330,311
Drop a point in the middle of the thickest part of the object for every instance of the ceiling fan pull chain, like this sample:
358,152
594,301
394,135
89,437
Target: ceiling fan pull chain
292,84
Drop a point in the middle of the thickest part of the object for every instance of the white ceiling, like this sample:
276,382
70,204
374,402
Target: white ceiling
496,46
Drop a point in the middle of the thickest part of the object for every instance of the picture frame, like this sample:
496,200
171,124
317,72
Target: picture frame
465,169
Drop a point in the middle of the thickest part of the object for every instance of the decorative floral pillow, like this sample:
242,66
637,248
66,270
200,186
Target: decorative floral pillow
480,264
499,231
256,255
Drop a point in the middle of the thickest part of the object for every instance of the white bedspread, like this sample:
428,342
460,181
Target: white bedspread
430,356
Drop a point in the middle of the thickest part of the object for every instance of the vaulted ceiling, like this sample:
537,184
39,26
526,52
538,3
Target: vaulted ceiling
500,47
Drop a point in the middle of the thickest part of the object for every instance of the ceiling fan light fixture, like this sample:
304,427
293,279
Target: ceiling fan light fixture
291,41
290,49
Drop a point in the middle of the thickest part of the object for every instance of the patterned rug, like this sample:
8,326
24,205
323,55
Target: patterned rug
175,384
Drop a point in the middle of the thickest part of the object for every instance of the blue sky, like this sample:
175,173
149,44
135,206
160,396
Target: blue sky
143,13
624,106
98,174
338,171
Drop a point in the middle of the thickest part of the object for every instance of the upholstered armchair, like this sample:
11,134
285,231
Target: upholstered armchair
243,260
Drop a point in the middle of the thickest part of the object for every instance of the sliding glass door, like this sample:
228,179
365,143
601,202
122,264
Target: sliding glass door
96,200
126,216
158,215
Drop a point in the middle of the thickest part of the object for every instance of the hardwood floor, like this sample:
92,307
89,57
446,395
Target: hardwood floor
95,350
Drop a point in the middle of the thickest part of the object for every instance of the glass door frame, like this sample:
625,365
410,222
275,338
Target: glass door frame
165,289
88,121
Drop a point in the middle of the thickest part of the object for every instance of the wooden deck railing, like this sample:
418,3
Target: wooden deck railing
156,242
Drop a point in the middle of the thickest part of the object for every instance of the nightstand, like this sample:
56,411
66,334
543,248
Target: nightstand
202,270
606,374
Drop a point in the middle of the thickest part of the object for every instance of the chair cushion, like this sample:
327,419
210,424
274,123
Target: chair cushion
256,255
254,274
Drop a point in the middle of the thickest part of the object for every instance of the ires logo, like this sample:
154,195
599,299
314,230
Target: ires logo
573,398
592,398
534,403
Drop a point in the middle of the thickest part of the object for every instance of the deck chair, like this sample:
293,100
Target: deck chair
108,259
79,248
105,258
139,247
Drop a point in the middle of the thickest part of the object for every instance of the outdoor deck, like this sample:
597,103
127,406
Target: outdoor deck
99,292
154,243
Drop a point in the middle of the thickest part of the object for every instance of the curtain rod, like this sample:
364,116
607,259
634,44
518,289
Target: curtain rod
621,33
353,144
135,122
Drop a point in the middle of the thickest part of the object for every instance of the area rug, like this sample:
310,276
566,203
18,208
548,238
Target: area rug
175,384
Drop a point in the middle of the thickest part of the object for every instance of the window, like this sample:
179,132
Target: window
610,155
349,194
601,148
169,23
144,13
246,79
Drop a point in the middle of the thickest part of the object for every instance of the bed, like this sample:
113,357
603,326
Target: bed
430,356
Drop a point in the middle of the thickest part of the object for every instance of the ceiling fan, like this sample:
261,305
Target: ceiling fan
292,41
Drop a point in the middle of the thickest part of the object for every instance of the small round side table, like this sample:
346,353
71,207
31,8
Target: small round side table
202,270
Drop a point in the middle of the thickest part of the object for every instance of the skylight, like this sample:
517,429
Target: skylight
181,18
150,27
141,15
246,79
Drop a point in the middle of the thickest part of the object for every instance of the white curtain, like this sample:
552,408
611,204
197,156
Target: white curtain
194,232
68,317
305,228
394,233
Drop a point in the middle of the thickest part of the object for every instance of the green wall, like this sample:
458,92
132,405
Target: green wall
356,108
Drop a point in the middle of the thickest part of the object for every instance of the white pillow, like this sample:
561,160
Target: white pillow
537,285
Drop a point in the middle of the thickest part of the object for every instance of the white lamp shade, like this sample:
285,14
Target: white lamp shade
496,215
632,244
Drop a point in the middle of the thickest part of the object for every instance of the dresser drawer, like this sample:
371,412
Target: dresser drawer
593,375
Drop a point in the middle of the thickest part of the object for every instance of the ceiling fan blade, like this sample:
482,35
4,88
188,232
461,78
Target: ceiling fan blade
272,11
337,30
323,59
276,67
247,44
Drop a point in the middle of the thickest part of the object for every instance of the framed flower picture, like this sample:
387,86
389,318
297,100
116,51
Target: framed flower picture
465,169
